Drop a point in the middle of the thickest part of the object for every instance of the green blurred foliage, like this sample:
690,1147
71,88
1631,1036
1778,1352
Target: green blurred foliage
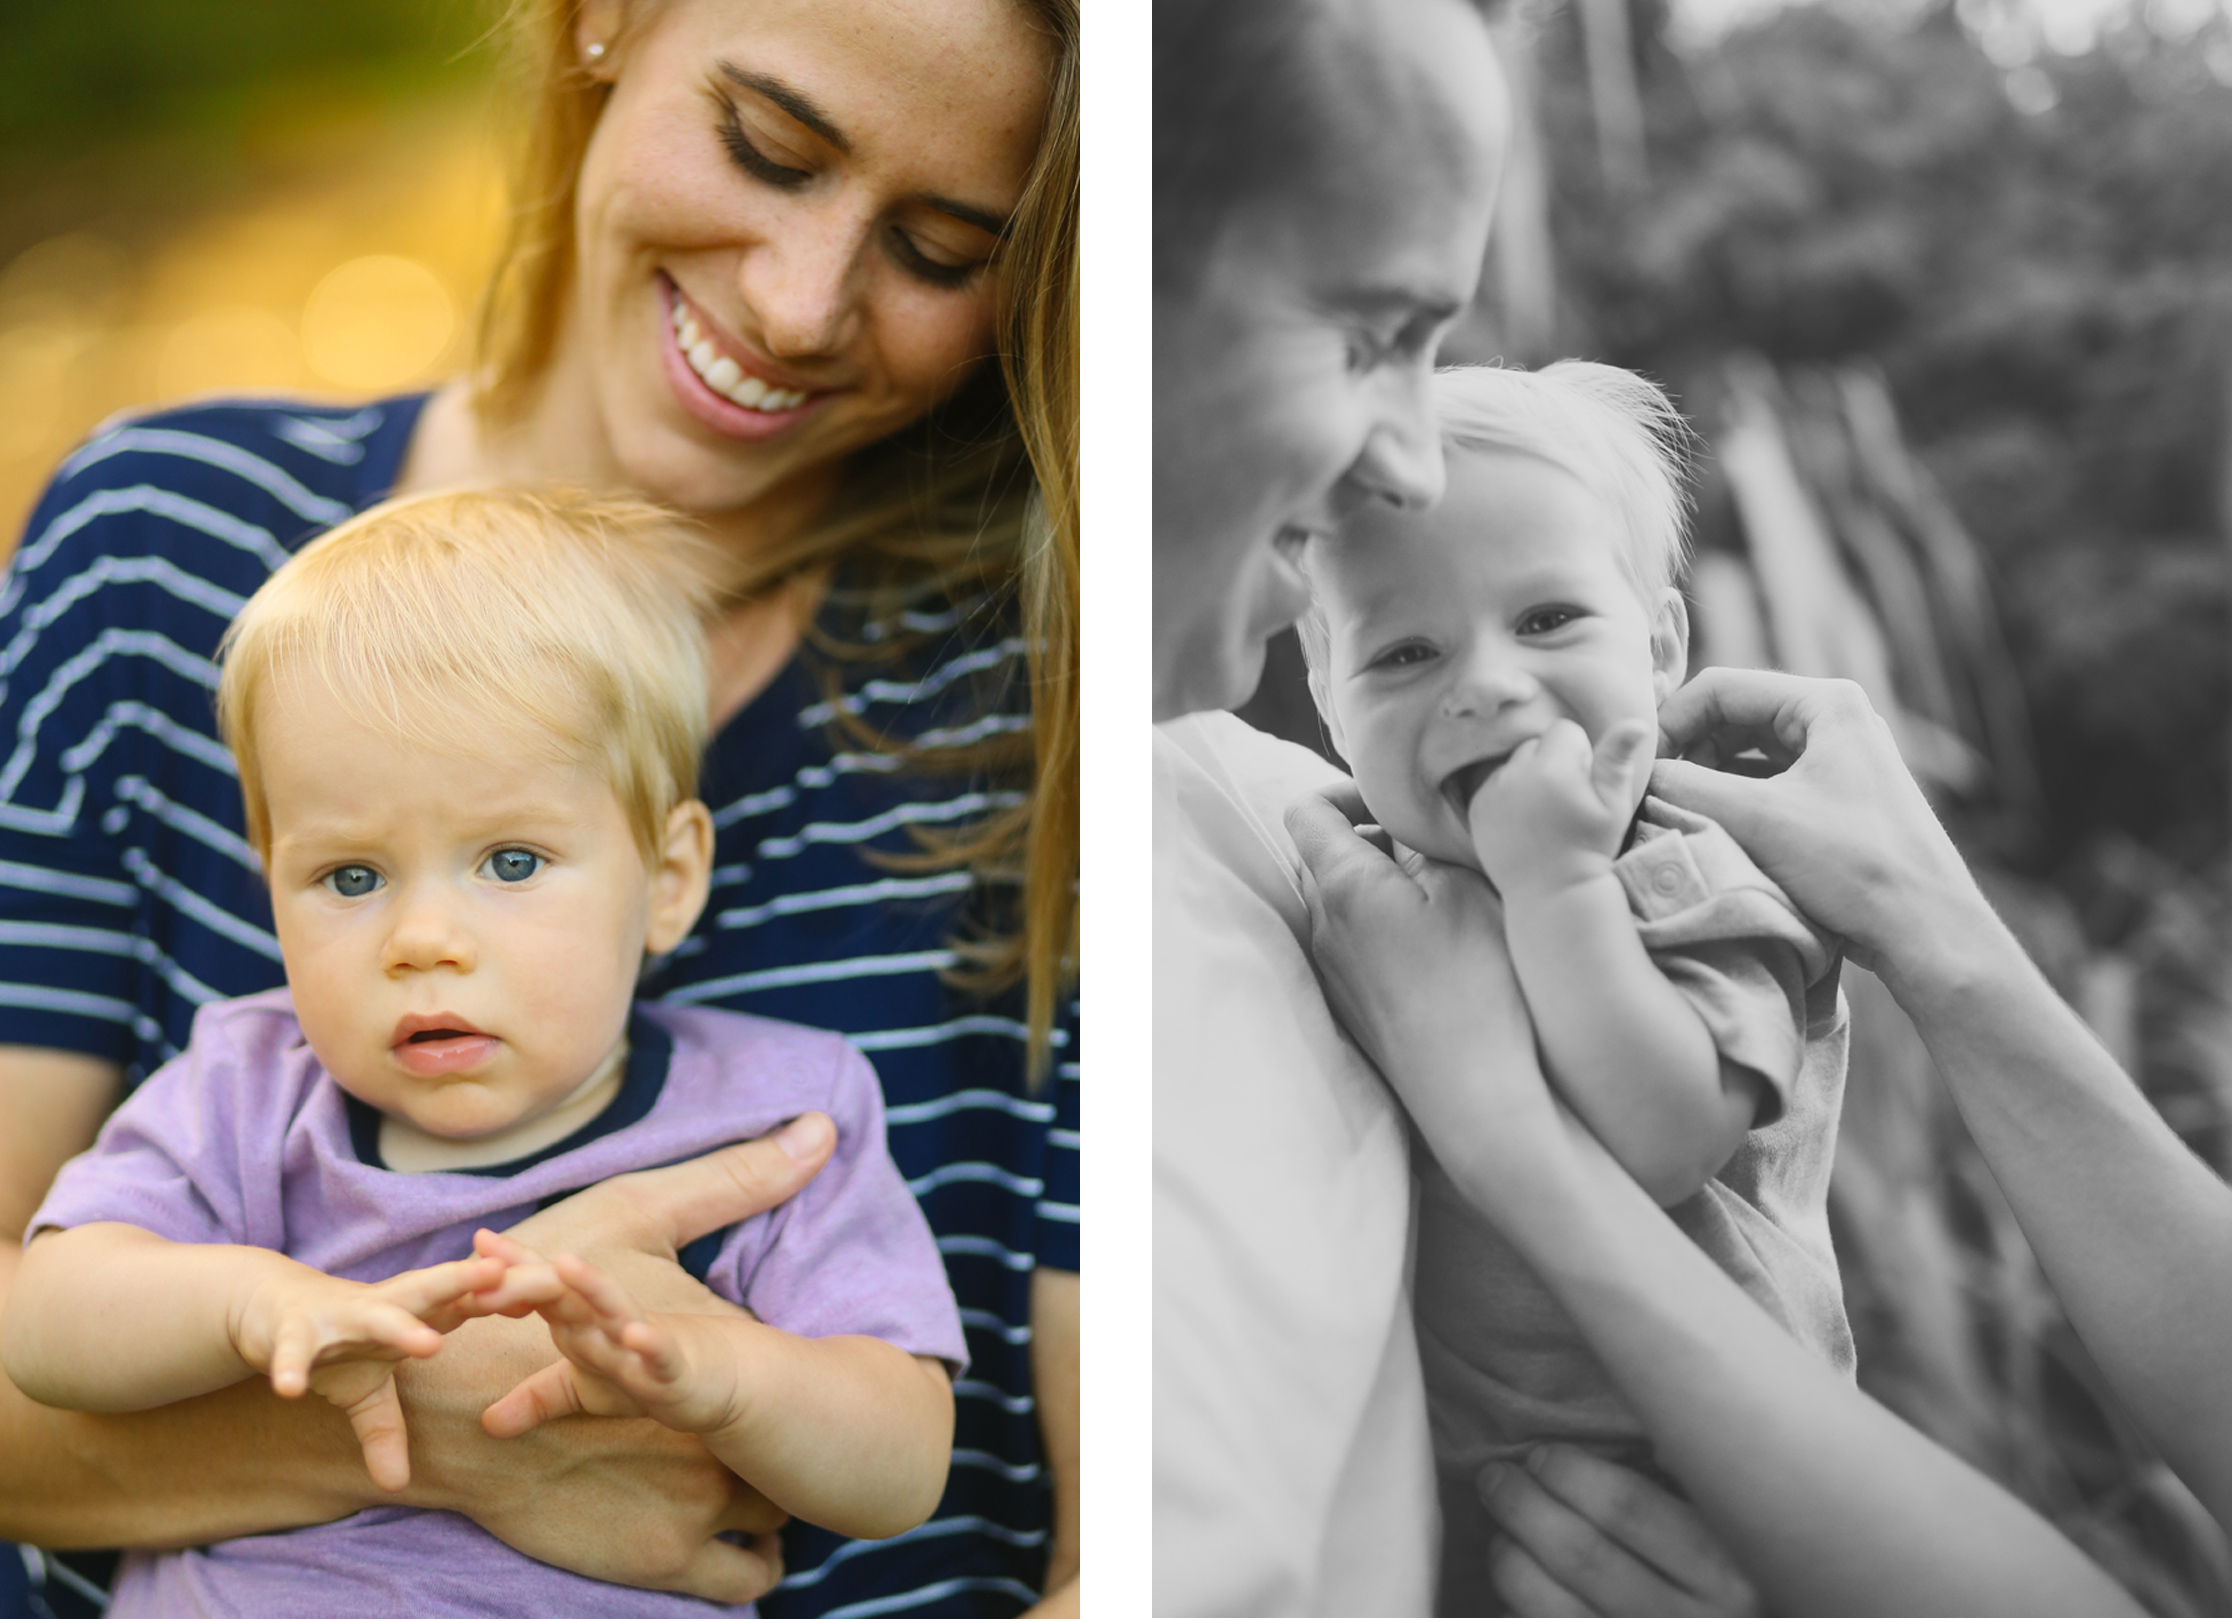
2050,294
106,75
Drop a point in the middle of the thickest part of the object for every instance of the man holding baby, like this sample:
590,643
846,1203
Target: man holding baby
1323,178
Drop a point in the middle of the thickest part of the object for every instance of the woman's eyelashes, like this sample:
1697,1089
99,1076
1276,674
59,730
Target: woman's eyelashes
750,158
930,265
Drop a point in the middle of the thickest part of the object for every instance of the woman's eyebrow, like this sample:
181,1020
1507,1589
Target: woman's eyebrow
792,100
801,107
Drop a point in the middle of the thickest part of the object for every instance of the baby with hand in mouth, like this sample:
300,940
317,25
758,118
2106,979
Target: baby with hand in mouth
1491,671
468,729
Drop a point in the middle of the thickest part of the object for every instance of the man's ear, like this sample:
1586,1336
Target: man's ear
682,877
1669,644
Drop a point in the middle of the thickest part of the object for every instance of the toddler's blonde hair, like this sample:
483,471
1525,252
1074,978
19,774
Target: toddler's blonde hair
573,622
1615,431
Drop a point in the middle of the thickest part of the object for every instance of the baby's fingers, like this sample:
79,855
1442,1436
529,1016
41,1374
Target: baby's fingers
550,1393
444,1296
377,1418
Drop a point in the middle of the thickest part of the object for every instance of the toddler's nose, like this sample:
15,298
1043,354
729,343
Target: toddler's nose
1486,686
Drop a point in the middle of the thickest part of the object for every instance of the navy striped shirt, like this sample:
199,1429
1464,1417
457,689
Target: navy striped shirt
129,896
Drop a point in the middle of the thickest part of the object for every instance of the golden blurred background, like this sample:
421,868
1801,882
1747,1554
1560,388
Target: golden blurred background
318,224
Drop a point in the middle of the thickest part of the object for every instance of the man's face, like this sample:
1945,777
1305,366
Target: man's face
1290,376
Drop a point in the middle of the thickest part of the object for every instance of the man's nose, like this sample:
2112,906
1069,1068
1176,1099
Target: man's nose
1402,459
804,290
429,933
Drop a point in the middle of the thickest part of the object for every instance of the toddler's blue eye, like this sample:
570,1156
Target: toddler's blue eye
352,881
512,866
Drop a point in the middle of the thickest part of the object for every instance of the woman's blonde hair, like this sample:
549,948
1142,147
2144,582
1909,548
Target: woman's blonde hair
976,506
570,625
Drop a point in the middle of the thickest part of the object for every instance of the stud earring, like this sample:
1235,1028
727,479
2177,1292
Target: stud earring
594,50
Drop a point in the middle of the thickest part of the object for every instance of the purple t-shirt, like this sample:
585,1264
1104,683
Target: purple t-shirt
244,1139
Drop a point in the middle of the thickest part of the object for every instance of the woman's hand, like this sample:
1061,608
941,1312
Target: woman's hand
1584,1536
1841,824
619,1500
1413,963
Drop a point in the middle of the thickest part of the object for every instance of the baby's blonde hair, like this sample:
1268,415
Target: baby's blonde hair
574,622
1615,431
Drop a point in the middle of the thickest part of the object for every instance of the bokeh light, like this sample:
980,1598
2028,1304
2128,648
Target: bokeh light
376,323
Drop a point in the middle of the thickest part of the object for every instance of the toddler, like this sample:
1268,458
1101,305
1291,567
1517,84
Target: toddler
467,729
1491,670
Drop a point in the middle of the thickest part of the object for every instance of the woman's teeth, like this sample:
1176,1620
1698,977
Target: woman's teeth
723,375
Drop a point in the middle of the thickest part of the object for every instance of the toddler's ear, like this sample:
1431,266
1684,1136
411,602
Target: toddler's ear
1669,644
682,877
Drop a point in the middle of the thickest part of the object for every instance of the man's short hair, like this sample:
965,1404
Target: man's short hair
1615,431
1242,92
576,624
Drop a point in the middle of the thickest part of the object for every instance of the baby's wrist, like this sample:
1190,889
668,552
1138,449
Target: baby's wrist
1546,876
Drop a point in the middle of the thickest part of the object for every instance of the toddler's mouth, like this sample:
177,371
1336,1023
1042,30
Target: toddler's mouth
1464,782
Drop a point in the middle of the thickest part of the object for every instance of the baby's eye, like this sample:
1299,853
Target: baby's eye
350,882
1541,621
513,866
1402,656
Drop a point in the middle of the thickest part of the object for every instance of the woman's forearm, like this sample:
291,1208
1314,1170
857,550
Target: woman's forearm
1830,1503
2133,1230
228,1464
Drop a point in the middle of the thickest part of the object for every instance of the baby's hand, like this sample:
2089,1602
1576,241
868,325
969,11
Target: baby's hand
1556,811
620,1362
342,1339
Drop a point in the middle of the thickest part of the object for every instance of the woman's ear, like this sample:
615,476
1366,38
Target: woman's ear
1669,644
597,37
682,877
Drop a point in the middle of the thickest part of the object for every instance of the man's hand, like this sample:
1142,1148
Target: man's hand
619,1500
1841,824
1414,965
1555,812
343,1339
1587,1537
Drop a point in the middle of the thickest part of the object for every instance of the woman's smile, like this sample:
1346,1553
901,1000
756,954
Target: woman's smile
745,399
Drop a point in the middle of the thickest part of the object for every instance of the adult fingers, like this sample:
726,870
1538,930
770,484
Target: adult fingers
1581,1556
1526,1587
752,1512
726,1574
732,1184
1729,799
1737,709
1650,1521
1334,855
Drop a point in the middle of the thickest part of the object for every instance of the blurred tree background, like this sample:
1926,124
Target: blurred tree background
1948,288
245,196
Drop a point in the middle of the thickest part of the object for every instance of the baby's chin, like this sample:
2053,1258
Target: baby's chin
1436,840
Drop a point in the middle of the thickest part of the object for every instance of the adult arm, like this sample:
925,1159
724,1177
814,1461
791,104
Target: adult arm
2133,1230
623,1501
1055,1337
1828,1502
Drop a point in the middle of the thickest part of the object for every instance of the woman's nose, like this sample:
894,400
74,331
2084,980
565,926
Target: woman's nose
803,286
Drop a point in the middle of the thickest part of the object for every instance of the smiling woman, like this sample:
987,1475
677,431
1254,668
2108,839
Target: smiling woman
811,280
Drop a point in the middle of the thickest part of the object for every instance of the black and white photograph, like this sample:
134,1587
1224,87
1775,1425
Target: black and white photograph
1692,915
